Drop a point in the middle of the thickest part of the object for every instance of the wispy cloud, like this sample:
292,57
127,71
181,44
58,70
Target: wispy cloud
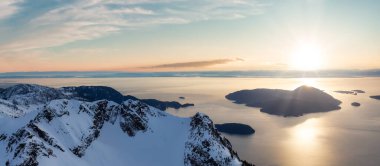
68,21
194,64
8,8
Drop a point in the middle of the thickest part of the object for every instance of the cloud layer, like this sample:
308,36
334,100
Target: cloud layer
31,24
193,64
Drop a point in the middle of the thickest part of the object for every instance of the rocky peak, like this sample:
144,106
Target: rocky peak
204,138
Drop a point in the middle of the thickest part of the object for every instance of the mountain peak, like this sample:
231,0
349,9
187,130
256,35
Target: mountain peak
70,131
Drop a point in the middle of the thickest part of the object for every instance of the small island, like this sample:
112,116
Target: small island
346,92
351,92
235,128
302,100
181,97
355,104
375,97
358,91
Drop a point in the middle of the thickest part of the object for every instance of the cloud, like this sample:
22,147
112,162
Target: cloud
61,22
193,64
8,8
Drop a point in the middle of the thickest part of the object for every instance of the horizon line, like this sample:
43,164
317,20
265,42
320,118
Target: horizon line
227,74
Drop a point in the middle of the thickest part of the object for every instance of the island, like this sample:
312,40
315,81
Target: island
355,104
300,101
358,91
346,92
181,97
352,92
375,97
235,128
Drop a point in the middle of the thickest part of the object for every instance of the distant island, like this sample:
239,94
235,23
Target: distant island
302,100
352,92
346,92
359,91
235,128
375,97
355,104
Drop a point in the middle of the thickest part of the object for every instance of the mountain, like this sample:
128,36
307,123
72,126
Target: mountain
93,93
46,129
28,94
298,102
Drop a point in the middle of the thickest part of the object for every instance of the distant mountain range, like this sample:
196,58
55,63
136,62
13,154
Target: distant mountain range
75,126
261,73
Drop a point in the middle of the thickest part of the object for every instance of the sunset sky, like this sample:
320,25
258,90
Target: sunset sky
177,35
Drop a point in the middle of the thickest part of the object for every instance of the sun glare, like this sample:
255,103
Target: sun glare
306,56
307,132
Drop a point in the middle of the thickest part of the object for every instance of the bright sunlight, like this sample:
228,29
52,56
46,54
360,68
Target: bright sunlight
306,56
306,132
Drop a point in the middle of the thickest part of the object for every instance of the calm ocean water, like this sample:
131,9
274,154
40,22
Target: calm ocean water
349,136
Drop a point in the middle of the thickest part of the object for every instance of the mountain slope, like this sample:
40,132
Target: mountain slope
74,132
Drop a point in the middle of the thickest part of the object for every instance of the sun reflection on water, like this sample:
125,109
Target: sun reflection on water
304,144
306,132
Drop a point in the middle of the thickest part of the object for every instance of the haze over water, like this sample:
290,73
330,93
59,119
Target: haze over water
344,137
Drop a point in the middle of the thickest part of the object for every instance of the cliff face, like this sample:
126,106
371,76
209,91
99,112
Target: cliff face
47,130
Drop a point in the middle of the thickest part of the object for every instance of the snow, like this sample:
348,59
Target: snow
131,133
165,145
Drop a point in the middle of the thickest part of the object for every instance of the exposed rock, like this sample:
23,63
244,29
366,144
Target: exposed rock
204,138
298,102
181,97
235,128
10,109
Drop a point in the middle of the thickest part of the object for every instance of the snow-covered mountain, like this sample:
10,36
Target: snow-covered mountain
46,126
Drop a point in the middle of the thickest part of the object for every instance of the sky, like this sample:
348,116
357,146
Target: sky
196,35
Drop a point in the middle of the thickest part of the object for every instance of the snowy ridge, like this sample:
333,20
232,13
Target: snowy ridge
30,94
73,132
206,146
9,109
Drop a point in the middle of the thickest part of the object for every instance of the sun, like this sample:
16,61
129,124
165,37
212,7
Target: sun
306,56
